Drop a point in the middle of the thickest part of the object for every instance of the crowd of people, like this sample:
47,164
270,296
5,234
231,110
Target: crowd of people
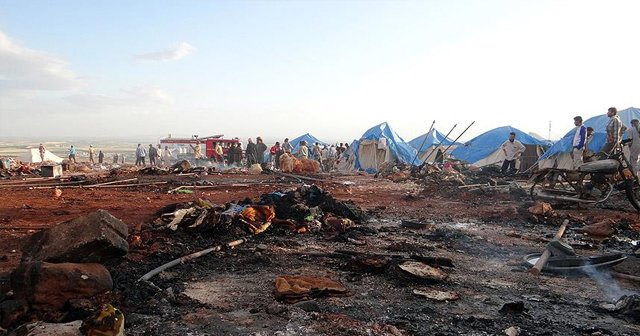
328,155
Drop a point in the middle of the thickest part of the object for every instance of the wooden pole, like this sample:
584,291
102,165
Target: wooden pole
544,258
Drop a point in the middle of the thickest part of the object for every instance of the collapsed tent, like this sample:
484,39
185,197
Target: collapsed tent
486,148
348,161
559,155
429,141
310,140
381,144
33,156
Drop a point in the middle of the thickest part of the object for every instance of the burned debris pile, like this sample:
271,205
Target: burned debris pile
304,209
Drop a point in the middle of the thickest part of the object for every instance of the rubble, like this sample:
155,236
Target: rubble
628,306
436,295
422,271
541,209
296,288
106,321
95,237
49,329
49,286
602,229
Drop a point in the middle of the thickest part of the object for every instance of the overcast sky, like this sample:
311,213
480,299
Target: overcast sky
331,68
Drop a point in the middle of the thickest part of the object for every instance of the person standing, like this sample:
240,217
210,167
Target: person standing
100,157
276,152
615,128
92,153
588,155
115,158
197,151
634,150
159,157
512,150
141,153
286,146
166,156
317,154
303,150
260,149
42,151
153,154
579,141
251,153
219,153
72,154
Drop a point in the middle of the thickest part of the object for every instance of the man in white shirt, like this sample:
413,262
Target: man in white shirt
512,149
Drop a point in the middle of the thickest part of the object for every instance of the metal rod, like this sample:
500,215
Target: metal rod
423,142
456,140
439,143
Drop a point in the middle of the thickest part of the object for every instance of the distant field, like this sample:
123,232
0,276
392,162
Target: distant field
17,148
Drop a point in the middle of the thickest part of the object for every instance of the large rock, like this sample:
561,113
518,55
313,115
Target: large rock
49,286
11,311
96,237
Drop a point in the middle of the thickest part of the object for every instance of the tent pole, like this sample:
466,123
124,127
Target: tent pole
423,142
440,143
456,140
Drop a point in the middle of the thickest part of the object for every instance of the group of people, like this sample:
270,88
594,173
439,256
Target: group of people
157,156
583,135
73,152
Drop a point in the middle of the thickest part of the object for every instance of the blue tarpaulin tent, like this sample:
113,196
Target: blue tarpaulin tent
310,139
381,144
485,149
433,138
559,154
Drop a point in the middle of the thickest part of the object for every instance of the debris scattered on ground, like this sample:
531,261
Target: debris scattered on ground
512,308
423,271
627,306
512,331
541,209
296,288
106,321
602,229
436,295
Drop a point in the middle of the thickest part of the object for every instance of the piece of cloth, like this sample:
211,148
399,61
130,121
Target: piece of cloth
580,137
296,288
512,150
260,149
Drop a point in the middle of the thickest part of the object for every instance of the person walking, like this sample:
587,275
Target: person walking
92,153
141,153
42,151
614,129
579,141
100,157
512,150
72,154
153,154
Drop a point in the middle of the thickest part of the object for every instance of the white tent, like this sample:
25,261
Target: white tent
33,156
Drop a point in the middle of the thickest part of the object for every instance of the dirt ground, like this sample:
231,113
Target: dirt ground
485,234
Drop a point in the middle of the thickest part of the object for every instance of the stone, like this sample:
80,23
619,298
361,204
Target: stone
604,228
49,286
96,237
276,309
11,311
541,209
